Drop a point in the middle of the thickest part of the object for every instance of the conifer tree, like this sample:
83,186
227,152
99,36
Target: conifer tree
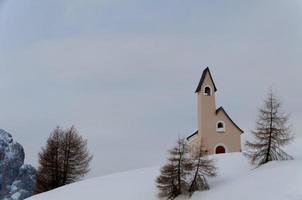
64,160
167,181
272,132
203,167
75,156
49,171
173,180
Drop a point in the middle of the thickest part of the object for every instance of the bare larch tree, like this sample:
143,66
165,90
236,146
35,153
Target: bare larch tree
203,167
173,180
49,171
76,156
167,181
272,132
64,160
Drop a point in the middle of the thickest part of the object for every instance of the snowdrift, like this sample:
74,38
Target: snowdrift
236,180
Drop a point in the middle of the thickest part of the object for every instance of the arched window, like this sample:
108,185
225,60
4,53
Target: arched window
219,150
220,127
207,91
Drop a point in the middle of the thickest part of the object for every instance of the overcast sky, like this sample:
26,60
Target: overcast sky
124,72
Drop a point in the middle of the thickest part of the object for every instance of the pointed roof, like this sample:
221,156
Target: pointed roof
222,109
204,73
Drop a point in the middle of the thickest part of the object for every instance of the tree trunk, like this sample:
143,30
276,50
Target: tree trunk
270,131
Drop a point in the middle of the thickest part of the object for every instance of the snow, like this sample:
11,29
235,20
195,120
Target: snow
236,180
5,136
138,184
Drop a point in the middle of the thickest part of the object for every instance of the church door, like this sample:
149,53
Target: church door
220,149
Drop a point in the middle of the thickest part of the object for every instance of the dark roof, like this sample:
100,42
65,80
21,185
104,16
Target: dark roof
204,73
195,133
221,109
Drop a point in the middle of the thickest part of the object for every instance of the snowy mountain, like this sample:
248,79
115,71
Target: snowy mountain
16,179
236,180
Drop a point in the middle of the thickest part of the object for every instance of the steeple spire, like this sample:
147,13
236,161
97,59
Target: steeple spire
204,73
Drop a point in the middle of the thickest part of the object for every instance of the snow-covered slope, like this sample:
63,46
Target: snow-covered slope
237,180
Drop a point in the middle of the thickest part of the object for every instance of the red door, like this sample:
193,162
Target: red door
220,149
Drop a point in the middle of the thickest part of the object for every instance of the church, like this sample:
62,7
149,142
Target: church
217,132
